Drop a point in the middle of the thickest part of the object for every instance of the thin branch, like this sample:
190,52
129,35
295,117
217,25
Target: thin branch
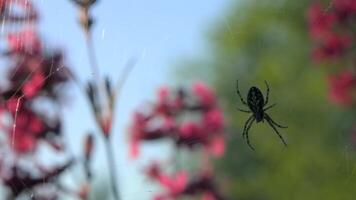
112,167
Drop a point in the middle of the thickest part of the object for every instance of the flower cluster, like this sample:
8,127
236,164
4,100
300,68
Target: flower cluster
180,185
34,77
191,119
332,29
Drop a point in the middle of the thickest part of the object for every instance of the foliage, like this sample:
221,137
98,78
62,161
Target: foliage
269,40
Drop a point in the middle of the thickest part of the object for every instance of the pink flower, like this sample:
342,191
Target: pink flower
213,119
217,146
190,129
345,9
134,148
33,78
2,5
343,88
34,85
163,94
12,105
22,143
204,93
192,134
163,106
34,75
181,185
175,184
164,120
24,42
28,127
320,22
139,131
332,46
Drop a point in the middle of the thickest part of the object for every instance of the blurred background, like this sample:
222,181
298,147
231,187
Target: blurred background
158,34
179,42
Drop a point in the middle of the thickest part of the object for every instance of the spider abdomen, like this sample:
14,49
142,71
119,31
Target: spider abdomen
255,102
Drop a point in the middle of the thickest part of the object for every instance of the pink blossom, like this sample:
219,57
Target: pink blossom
175,184
134,148
24,42
190,129
164,120
213,119
180,184
34,85
33,75
12,105
137,132
192,134
140,132
345,9
163,94
332,46
204,93
217,146
342,88
320,22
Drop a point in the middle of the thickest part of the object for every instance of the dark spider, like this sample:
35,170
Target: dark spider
256,104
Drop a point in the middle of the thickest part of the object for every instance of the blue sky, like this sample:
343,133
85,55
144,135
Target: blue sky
158,33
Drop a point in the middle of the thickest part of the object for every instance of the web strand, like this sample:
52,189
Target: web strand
14,124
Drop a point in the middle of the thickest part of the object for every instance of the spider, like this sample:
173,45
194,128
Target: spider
256,104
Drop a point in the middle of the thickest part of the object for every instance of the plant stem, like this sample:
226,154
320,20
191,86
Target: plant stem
100,84
112,171
92,56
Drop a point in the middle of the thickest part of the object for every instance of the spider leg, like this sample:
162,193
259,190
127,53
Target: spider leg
246,133
245,111
275,129
267,95
271,106
238,93
275,123
246,124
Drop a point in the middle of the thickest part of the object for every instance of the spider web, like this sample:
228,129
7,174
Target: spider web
53,70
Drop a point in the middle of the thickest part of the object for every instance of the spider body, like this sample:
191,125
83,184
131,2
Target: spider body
257,106
255,102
